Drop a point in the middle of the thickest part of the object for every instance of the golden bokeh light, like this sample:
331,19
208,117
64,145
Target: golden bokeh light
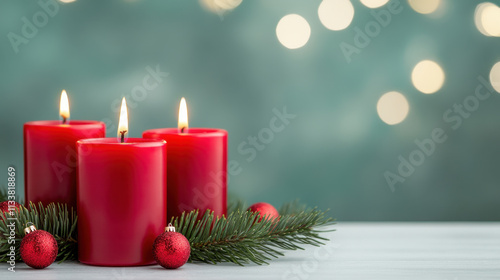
427,76
491,20
392,107
293,31
374,3
220,6
487,19
424,6
495,76
336,14
478,17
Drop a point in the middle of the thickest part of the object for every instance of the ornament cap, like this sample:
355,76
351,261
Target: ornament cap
30,227
170,228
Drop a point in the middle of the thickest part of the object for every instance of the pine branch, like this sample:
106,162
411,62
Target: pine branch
240,239
54,218
3,194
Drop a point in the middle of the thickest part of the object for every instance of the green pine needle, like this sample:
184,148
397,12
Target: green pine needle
238,238
3,194
53,218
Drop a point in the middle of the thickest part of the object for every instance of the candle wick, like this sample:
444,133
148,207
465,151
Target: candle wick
182,129
64,120
122,136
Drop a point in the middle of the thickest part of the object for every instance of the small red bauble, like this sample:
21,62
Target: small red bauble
4,206
38,248
265,209
171,249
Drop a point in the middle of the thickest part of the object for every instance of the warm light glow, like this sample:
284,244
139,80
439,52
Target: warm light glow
487,19
123,124
427,76
183,116
336,14
220,6
374,3
67,1
478,16
293,31
64,106
424,6
491,20
495,76
392,107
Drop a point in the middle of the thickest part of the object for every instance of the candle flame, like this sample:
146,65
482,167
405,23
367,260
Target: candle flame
183,116
64,106
123,124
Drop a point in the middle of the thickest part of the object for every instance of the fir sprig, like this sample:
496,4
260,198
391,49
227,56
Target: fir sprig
3,194
241,238
238,238
54,218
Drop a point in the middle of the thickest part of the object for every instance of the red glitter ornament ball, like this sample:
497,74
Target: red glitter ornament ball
4,206
171,249
265,209
38,248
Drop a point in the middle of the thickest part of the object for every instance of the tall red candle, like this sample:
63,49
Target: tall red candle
197,168
50,157
121,199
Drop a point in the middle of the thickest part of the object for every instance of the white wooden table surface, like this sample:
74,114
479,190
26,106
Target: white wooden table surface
453,251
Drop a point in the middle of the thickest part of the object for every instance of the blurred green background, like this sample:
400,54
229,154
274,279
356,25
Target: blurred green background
233,72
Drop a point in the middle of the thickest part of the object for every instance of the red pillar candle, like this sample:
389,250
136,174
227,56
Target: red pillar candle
197,167
50,156
121,199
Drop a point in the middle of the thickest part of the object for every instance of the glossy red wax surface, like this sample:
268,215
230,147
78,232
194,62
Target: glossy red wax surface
197,169
50,158
121,200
